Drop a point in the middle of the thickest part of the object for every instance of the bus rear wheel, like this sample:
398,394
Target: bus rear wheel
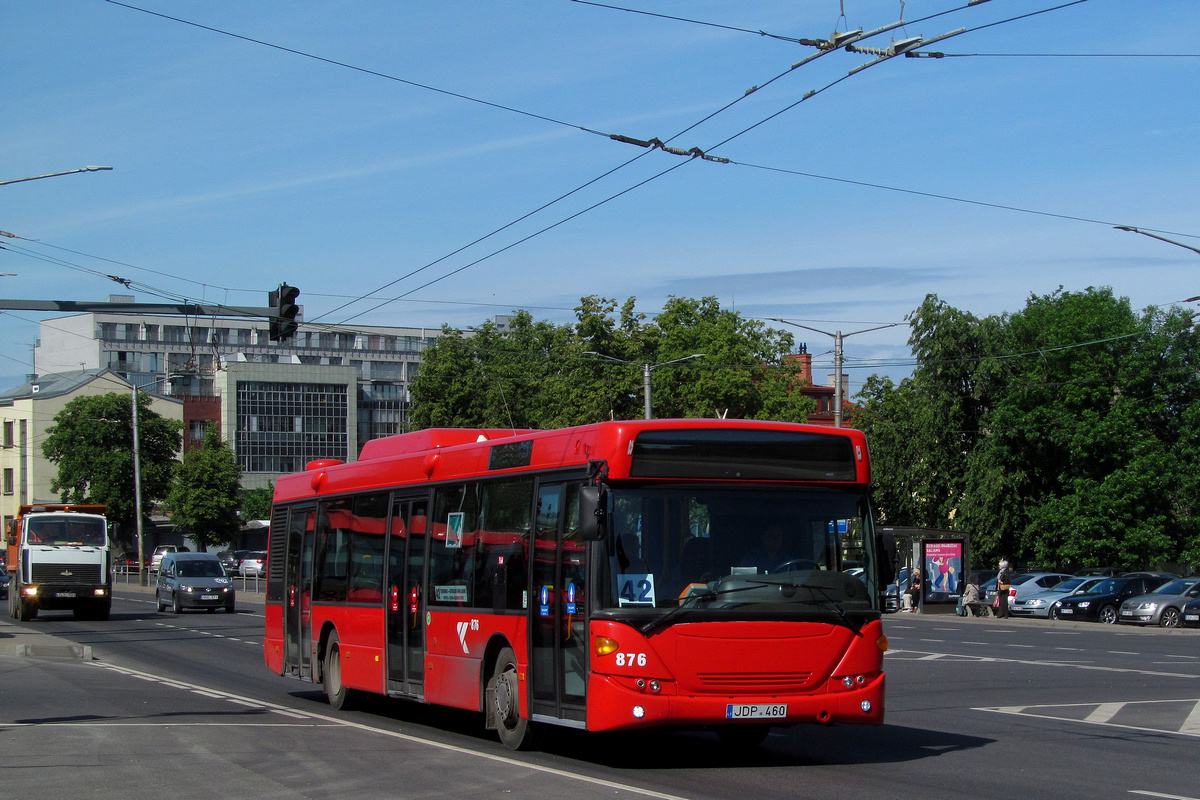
336,692
516,732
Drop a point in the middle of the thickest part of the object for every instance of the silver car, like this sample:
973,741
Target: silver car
1162,606
1038,605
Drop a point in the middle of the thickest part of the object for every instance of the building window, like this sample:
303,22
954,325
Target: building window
283,426
8,433
197,429
8,480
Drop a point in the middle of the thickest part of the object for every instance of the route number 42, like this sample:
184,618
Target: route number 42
636,590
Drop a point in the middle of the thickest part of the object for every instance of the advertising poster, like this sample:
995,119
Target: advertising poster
942,570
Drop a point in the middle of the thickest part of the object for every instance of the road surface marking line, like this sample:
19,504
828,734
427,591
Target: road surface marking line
1040,663
1191,725
1105,724
1160,794
1104,712
512,762
206,694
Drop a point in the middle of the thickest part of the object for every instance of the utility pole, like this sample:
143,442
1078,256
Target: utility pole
838,338
646,370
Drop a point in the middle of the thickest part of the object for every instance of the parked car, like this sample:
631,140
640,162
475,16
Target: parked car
253,565
1100,572
1100,603
1191,614
193,580
1163,606
160,551
891,595
1030,583
4,579
1039,604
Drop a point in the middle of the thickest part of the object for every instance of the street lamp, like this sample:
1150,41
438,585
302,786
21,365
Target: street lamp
1132,229
646,370
838,336
54,174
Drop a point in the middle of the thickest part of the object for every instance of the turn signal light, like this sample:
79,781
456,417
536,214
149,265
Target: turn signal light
605,645
882,644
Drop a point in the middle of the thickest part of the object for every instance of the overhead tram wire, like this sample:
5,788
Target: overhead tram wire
793,67
625,139
555,121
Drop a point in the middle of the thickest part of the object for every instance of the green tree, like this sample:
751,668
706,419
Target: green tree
204,496
1064,433
256,503
91,442
542,375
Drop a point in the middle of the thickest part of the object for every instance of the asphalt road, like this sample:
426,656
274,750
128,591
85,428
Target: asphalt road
182,706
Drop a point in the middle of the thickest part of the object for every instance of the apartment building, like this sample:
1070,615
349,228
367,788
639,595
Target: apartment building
320,394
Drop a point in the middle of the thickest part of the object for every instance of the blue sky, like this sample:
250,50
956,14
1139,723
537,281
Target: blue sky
238,165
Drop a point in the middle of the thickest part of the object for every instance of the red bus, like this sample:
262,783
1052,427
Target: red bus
652,573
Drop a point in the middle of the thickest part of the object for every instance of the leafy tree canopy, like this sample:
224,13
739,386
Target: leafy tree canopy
542,375
204,497
256,503
1063,433
91,441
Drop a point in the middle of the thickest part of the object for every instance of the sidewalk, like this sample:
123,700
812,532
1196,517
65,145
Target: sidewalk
22,642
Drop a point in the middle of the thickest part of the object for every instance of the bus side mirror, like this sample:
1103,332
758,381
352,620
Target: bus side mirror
593,513
889,557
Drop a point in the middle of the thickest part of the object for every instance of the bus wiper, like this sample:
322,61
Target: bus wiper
841,612
706,597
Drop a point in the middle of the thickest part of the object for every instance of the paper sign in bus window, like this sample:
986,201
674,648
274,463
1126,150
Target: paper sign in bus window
454,530
635,589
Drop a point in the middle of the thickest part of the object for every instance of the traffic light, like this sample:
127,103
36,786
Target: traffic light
283,321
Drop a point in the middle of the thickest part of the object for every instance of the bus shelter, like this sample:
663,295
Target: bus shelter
944,558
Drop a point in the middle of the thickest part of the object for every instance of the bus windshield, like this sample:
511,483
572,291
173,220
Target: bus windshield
64,530
733,548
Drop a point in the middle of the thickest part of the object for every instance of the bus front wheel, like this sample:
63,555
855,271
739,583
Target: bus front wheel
516,732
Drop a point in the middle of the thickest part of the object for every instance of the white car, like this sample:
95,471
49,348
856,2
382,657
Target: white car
1038,605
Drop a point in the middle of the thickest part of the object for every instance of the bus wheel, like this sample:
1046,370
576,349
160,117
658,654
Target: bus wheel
516,732
743,736
331,676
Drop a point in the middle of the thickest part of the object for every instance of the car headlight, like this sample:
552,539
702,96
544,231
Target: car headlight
1036,602
183,588
1085,603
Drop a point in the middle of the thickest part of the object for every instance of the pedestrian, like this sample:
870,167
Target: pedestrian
1003,584
914,591
970,597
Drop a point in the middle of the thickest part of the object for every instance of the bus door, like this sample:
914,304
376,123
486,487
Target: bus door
405,598
558,607
298,585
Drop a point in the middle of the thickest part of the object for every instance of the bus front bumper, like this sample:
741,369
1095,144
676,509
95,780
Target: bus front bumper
612,705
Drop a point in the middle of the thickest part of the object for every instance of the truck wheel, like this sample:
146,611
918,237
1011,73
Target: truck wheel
27,611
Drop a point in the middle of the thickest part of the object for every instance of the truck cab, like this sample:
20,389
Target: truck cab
58,558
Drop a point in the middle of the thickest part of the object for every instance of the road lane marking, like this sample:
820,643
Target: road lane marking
1103,714
335,721
1192,723
1160,794
920,655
